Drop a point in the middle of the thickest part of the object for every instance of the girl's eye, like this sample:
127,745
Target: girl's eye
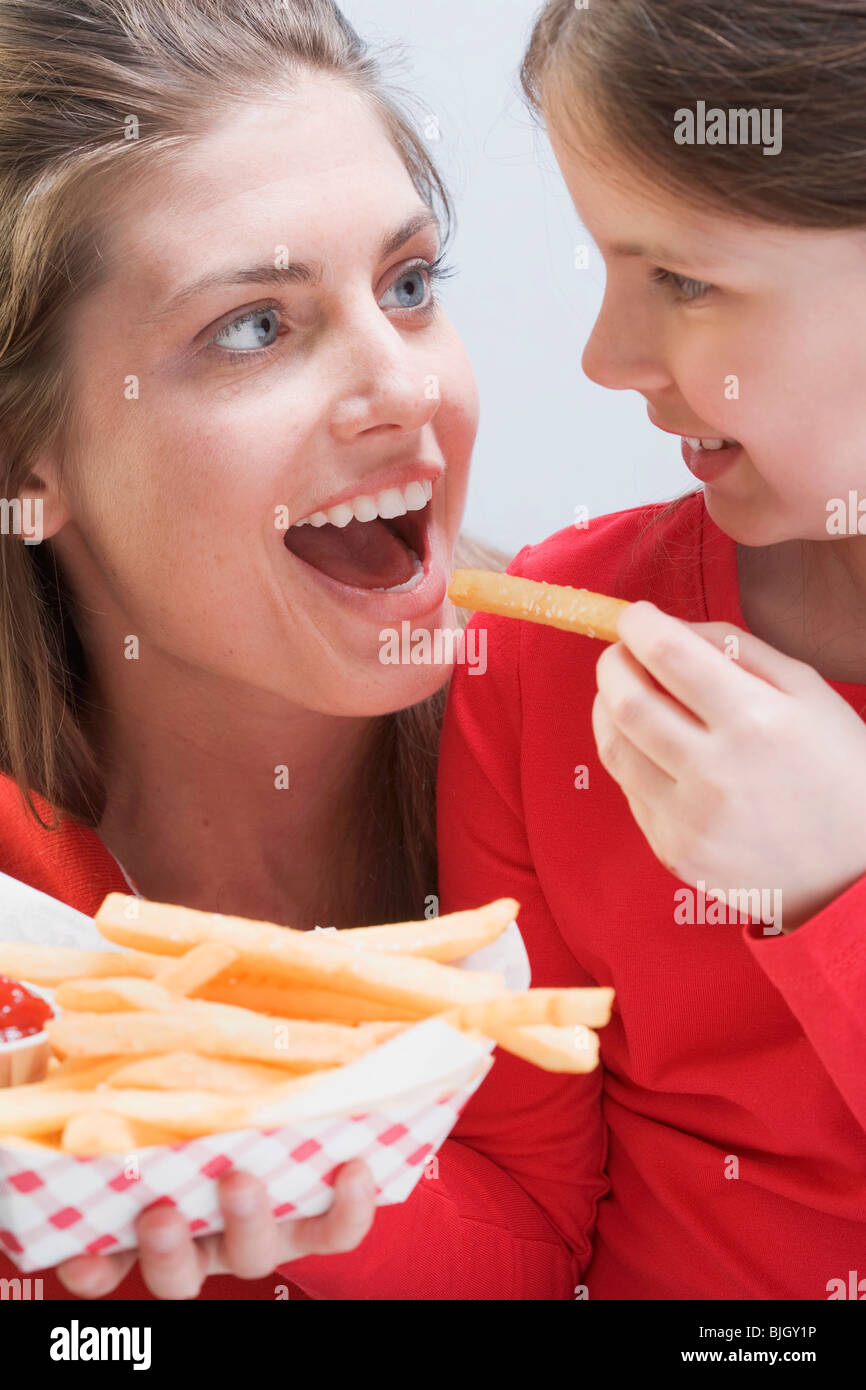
249,333
685,288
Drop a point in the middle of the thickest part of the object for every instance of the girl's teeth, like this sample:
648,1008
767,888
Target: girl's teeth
709,443
392,501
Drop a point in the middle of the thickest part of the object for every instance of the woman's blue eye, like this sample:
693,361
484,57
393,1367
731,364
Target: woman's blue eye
686,288
411,288
250,332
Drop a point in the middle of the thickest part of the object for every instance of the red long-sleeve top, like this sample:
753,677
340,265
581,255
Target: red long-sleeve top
719,1150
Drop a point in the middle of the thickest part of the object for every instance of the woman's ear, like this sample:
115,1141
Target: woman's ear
42,508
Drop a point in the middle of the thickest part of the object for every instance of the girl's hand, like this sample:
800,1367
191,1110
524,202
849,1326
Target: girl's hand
253,1244
744,770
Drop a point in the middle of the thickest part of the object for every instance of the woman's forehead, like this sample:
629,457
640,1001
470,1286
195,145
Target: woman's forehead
274,175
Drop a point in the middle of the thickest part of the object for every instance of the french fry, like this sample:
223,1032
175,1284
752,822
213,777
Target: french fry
555,1049
409,981
38,1109
217,1030
204,1023
18,1141
439,938
95,1132
51,965
186,1113
113,995
198,967
560,1007
554,605
252,992
82,1073
186,1071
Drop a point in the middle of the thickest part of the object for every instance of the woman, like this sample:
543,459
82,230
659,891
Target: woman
220,239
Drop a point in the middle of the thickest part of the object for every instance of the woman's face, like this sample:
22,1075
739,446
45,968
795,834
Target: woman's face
732,332
266,347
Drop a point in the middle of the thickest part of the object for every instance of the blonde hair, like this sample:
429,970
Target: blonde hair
75,81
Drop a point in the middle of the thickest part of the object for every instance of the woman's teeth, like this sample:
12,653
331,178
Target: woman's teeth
710,443
391,502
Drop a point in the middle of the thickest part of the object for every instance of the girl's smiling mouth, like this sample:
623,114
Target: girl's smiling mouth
376,541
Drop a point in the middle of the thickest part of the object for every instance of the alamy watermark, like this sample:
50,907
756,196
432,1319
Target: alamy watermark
846,518
19,518
697,906
443,646
738,125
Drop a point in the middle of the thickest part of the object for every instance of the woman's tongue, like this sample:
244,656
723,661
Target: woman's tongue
365,554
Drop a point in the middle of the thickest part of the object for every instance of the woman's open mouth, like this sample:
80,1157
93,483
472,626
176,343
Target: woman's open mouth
378,541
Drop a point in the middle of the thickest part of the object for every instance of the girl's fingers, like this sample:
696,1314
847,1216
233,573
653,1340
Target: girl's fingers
344,1225
172,1264
637,775
657,725
94,1276
251,1244
687,665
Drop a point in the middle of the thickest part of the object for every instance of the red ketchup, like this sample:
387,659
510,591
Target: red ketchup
21,1013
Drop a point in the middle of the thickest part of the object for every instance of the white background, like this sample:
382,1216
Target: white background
549,439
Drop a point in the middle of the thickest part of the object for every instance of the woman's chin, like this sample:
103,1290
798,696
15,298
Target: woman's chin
393,686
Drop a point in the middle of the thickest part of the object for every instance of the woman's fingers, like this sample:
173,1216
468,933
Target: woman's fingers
252,1246
346,1222
173,1265
94,1276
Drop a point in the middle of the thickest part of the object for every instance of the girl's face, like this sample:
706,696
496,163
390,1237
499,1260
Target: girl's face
732,331
265,348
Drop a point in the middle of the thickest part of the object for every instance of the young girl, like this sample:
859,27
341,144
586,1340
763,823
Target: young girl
726,1127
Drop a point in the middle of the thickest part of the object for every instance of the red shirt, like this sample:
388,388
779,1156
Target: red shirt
728,1051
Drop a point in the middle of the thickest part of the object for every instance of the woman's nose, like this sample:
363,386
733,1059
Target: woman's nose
384,380
625,350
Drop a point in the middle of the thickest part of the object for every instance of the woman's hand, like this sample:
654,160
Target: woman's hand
741,766
253,1244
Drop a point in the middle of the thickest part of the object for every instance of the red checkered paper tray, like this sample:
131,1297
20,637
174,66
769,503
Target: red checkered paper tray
393,1107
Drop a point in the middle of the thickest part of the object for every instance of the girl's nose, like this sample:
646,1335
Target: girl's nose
383,380
626,347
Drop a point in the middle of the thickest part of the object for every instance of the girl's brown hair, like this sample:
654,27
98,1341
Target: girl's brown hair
92,92
620,69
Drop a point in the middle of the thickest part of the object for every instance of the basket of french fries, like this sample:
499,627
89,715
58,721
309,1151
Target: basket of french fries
195,1043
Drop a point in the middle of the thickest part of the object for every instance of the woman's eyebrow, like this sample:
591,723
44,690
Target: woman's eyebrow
296,273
